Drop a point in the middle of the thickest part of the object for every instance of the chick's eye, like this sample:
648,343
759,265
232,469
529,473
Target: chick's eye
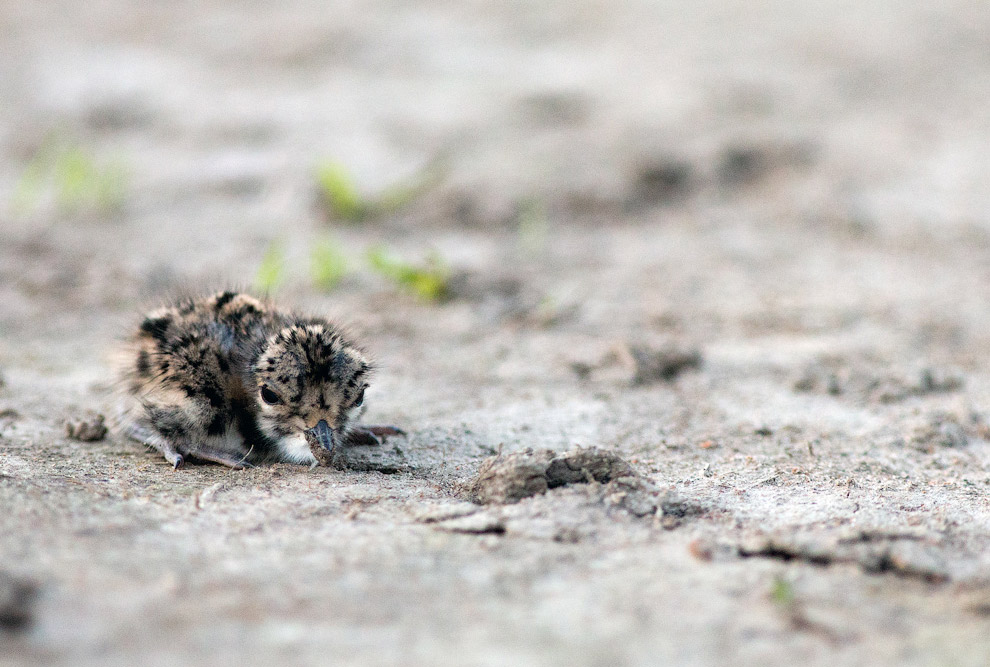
269,396
360,399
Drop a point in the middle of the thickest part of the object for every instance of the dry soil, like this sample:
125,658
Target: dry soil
742,245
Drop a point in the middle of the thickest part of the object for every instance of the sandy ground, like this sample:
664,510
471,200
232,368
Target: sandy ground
798,191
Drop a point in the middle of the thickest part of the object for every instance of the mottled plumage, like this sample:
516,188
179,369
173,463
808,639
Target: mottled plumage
230,379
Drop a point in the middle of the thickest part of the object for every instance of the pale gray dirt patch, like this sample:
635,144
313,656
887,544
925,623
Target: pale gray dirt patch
387,458
875,381
943,429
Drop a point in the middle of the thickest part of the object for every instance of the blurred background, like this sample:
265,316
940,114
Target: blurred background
508,202
150,144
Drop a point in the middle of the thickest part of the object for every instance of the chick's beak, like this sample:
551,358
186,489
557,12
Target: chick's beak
323,434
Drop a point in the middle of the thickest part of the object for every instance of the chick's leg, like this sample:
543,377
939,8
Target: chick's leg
147,435
221,456
173,431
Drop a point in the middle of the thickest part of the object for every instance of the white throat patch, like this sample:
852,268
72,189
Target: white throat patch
295,449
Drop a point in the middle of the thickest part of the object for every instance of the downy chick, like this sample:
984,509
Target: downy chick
230,379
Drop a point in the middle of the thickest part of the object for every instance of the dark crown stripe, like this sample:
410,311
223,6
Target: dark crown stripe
143,363
224,299
156,327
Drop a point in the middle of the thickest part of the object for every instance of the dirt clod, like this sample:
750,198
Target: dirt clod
585,465
510,478
747,163
323,456
662,181
86,429
743,164
16,601
638,364
650,365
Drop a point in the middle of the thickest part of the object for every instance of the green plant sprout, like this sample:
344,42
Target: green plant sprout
328,264
782,592
340,194
430,282
272,268
343,200
75,180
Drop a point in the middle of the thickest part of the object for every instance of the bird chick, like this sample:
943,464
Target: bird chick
232,380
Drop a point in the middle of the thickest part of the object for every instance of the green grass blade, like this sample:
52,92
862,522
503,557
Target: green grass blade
430,282
339,192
